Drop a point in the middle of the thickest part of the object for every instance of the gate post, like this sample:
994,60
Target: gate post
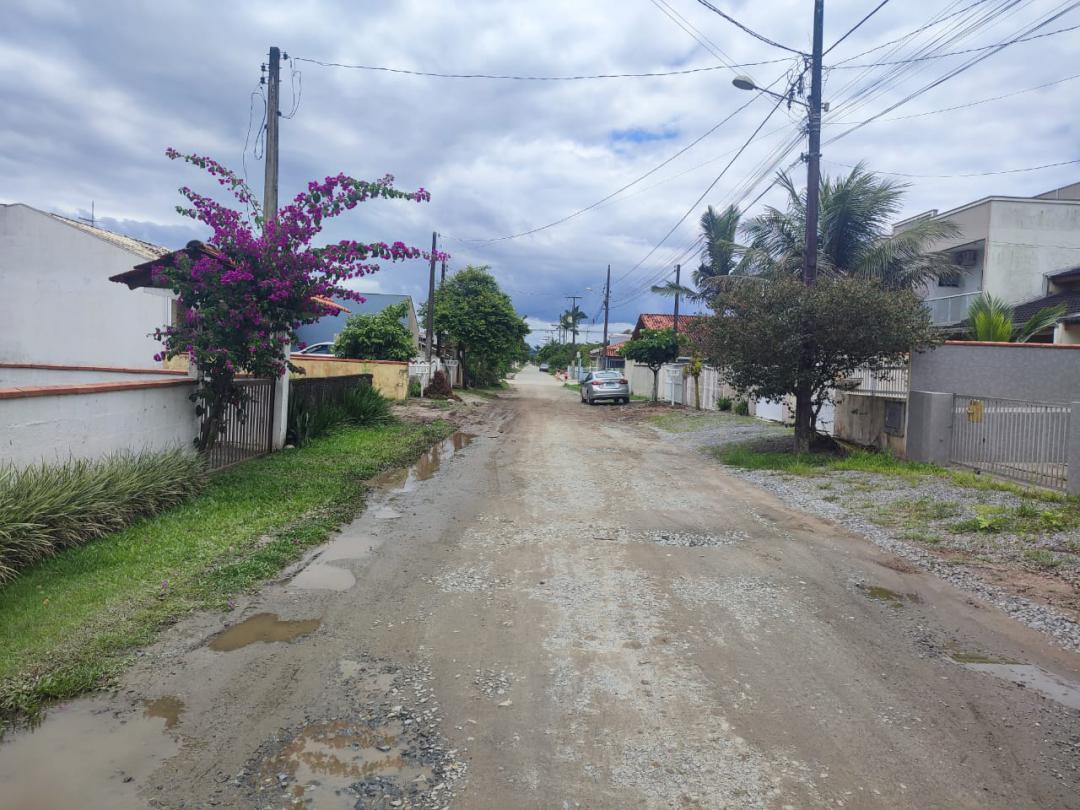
1072,480
930,426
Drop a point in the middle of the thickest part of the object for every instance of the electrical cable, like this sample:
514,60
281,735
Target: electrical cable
750,31
857,25
965,174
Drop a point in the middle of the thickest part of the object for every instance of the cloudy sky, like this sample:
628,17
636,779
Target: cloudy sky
94,92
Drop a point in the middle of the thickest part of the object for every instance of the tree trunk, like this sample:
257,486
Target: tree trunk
655,384
697,392
804,418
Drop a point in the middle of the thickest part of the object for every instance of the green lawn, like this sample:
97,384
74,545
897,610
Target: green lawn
684,420
68,624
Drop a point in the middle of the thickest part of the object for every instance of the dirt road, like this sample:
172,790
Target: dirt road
562,612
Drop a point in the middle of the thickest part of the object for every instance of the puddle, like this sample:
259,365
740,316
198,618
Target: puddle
84,756
168,708
400,481
332,764
977,658
1035,678
892,598
261,627
386,513
324,578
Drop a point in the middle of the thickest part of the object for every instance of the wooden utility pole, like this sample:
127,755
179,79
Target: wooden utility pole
678,268
607,302
270,184
813,157
431,297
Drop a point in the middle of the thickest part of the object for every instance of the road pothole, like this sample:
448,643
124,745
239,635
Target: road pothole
266,627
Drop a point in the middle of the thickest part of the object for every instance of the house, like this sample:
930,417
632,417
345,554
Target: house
614,359
664,321
58,306
1063,287
1007,247
326,328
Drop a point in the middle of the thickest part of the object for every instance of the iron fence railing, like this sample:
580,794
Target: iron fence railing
248,430
892,382
1026,441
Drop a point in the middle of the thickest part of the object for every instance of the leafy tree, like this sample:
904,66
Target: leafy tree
381,336
855,238
258,279
652,348
561,355
991,319
481,322
719,254
756,340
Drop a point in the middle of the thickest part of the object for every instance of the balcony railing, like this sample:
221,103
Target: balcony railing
890,383
950,309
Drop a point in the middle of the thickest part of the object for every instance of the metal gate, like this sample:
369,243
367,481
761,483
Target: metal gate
1012,438
247,431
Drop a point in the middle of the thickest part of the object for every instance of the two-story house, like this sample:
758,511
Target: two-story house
1009,247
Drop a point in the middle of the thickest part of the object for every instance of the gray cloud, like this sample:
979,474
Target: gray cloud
94,93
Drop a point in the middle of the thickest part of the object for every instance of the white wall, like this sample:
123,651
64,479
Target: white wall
56,428
21,377
58,305
1029,239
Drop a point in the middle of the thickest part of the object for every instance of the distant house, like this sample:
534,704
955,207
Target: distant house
326,328
1007,246
614,359
664,321
58,306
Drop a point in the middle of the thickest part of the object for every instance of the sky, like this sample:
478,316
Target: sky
94,93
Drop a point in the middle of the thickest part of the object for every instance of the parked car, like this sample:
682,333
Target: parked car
601,385
324,348
544,367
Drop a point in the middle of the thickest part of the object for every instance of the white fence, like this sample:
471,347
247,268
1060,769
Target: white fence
423,371
676,387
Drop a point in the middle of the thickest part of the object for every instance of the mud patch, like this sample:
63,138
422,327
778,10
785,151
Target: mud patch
886,596
402,481
265,627
1058,689
320,577
668,537
168,708
752,604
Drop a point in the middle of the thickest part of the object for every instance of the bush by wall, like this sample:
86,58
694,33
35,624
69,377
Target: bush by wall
360,406
439,387
46,508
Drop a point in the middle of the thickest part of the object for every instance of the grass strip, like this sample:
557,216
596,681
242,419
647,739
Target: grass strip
68,624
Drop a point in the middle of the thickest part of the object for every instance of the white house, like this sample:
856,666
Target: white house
58,305
1007,246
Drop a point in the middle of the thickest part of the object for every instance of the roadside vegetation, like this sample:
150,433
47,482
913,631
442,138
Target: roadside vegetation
68,623
361,406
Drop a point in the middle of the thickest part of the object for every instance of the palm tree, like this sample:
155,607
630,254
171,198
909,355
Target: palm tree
991,319
855,238
719,253
570,319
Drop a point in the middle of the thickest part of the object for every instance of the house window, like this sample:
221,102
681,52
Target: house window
949,280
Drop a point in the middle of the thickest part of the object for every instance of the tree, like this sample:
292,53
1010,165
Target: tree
259,279
719,253
694,369
652,348
991,319
480,320
855,241
569,321
381,336
756,341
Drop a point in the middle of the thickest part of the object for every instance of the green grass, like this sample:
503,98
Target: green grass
572,386
1025,519
686,421
68,624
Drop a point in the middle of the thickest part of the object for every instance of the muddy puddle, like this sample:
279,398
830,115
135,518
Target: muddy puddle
1037,679
262,627
86,756
400,481
335,764
168,708
889,597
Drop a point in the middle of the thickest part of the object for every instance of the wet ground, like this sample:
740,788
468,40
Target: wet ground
558,610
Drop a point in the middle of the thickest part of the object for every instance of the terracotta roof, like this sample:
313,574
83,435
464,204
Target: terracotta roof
650,320
147,250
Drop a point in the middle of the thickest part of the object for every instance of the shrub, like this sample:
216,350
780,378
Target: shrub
415,389
366,406
307,421
742,407
723,404
46,508
439,387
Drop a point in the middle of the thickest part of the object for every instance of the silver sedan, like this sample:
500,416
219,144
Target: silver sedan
601,385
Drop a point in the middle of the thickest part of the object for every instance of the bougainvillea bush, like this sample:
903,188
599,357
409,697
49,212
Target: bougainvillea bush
261,277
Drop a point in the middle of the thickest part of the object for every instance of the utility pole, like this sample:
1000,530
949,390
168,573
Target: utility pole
431,297
573,320
607,301
270,184
678,268
279,427
813,157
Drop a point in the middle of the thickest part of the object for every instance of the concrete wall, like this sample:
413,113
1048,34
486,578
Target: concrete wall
54,427
861,420
58,305
1026,371
390,378
14,375
1029,239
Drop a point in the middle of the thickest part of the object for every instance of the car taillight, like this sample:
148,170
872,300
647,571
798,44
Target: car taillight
623,382
597,382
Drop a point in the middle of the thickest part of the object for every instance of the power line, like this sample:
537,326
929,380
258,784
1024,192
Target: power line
957,53
695,33
857,25
524,78
750,31
965,174
934,21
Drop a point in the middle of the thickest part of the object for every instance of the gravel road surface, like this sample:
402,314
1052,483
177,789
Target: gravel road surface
557,610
